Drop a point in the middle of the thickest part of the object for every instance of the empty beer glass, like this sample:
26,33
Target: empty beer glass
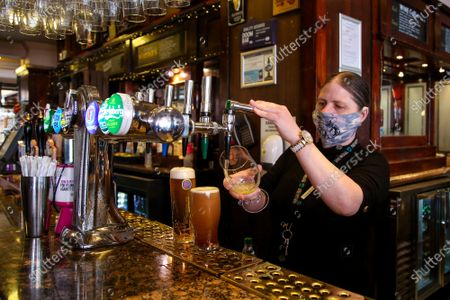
154,7
178,3
132,11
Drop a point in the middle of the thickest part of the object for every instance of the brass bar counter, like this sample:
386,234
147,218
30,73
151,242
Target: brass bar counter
149,267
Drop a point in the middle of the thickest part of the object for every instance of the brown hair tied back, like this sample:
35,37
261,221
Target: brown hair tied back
354,84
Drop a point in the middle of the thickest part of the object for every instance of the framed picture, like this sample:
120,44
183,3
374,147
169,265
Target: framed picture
350,44
282,6
258,67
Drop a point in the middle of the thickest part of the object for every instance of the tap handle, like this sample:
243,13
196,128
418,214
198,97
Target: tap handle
185,142
27,134
227,146
205,107
188,91
204,146
187,111
40,134
168,95
139,96
238,106
151,95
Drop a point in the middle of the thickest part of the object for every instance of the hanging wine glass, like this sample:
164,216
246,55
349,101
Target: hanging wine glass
178,3
31,22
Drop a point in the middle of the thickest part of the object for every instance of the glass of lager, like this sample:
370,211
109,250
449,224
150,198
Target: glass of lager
182,179
205,215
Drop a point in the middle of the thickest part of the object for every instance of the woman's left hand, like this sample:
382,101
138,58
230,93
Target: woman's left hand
280,116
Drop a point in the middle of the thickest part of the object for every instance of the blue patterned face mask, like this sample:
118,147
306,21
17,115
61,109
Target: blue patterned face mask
336,129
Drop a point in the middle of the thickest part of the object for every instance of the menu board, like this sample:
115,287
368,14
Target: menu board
408,21
445,39
161,50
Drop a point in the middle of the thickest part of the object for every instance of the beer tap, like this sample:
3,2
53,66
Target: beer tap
229,119
168,97
28,133
40,134
205,111
187,112
150,98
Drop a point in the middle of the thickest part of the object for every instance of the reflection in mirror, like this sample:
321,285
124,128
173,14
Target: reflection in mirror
404,91
443,107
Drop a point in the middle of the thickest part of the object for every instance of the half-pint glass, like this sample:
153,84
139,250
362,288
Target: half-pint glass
205,215
182,179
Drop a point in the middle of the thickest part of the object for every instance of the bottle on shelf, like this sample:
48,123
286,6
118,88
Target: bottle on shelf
248,246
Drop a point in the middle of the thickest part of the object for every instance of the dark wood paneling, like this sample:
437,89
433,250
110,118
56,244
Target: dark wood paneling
327,61
403,141
34,87
402,153
416,165
287,89
377,65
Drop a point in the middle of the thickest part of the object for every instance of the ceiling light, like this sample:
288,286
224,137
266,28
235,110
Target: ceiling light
384,70
399,57
424,65
400,74
441,70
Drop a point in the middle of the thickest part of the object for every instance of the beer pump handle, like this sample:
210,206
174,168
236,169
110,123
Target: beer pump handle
27,134
187,113
168,95
151,95
205,111
40,134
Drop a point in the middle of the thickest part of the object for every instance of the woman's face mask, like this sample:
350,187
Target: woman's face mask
336,129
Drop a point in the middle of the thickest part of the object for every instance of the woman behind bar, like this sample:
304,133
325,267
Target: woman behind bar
326,198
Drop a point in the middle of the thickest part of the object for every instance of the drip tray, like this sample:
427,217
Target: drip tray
160,236
273,282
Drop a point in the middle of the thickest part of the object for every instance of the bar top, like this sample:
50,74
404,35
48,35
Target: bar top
149,267
45,269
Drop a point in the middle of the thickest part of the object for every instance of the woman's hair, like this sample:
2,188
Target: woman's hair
354,84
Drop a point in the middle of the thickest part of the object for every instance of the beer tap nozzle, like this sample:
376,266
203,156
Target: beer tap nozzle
229,119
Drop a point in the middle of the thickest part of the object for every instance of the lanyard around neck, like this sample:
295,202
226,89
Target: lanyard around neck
346,150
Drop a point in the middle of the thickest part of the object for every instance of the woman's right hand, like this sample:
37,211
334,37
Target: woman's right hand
280,116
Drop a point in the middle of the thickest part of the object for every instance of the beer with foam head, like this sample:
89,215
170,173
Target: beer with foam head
181,181
205,215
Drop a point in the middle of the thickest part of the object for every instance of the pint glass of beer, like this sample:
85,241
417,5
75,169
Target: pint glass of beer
205,215
181,181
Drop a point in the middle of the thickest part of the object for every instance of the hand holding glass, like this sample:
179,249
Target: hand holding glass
242,177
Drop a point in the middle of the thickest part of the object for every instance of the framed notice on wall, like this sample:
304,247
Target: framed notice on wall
350,44
258,67
282,6
409,21
445,39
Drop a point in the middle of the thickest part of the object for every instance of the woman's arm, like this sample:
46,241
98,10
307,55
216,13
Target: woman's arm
342,194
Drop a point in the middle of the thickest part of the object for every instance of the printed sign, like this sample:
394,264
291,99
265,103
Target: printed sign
258,34
282,6
236,12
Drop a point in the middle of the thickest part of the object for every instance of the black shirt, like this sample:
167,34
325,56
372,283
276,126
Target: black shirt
324,245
